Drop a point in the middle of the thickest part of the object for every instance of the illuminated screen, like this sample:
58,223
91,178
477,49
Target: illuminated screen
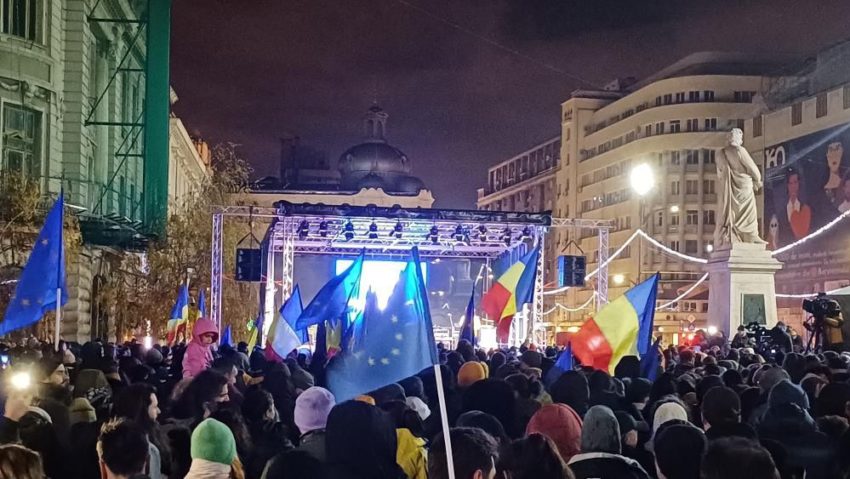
379,276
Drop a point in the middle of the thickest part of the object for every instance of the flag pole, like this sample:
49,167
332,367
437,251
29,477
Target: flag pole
58,318
60,265
441,394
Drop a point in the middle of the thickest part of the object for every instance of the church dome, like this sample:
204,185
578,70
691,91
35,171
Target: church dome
410,185
375,162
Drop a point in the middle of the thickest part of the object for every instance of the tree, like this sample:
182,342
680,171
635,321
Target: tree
141,289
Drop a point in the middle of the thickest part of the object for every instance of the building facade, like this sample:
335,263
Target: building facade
72,95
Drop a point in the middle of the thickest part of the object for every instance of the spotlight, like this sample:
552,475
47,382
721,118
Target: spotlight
434,234
459,234
349,231
397,230
506,236
526,233
303,230
323,229
482,230
373,231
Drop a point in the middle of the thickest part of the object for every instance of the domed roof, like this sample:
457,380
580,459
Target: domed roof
371,181
410,184
373,156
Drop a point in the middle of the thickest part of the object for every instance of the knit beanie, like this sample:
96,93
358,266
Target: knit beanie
561,424
768,378
785,392
721,405
532,359
637,390
365,398
678,451
666,412
81,410
469,373
312,408
600,431
212,441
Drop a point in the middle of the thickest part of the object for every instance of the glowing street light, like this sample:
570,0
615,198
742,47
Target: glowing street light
642,179
709,248
618,279
712,330
674,208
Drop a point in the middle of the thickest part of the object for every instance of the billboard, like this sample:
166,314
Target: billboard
807,185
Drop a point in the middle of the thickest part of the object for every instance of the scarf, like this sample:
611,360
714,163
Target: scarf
203,469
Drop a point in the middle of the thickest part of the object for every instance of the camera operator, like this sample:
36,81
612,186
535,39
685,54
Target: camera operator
826,323
741,339
780,338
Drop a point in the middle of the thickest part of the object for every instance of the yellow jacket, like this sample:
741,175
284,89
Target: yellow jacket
411,455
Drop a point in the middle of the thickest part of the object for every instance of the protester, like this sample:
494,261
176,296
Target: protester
535,457
361,443
600,455
214,453
737,458
678,451
474,454
561,425
18,462
123,450
198,356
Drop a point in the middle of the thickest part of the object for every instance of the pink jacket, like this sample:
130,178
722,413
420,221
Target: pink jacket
199,356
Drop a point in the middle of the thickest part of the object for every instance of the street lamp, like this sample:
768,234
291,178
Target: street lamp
674,209
642,180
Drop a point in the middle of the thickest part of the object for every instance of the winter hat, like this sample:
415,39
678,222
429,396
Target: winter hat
312,408
707,383
81,410
571,389
365,398
413,387
666,412
212,441
153,357
600,431
419,406
532,359
721,405
561,424
626,421
469,373
637,390
390,392
786,392
678,451
768,378
486,422
497,360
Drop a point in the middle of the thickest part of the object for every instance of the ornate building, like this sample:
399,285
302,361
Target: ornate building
370,172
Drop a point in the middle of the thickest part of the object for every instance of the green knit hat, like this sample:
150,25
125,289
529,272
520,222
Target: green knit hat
213,441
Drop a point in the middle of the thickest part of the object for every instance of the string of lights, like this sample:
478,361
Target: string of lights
671,251
813,234
583,307
684,294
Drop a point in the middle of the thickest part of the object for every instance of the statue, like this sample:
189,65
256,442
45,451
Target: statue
738,179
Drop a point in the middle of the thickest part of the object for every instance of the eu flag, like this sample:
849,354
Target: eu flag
562,365
291,310
388,345
44,273
202,305
467,331
649,361
331,301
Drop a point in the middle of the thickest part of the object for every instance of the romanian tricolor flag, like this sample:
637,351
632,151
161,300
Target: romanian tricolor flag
179,315
507,295
623,327
282,339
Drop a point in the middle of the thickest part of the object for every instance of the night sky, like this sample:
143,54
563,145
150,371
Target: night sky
467,83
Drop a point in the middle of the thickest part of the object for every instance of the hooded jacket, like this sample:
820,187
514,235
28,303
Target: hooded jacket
198,355
601,450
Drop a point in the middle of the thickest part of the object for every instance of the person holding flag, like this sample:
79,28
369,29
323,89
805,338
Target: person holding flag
179,315
514,288
198,356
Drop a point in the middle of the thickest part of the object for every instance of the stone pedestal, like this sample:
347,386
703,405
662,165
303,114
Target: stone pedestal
741,287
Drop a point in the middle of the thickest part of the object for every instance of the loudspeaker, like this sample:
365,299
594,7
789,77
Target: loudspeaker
571,270
248,264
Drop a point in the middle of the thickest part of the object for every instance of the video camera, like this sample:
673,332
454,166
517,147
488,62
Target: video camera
824,323
760,338
822,307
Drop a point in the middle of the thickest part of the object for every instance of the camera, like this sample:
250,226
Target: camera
822,307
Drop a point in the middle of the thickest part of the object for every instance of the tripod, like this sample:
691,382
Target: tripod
816,326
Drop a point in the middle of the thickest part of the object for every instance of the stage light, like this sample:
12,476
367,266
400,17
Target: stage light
526,233
434,234
373,231
459,234
482,230
397,230
303,230
349,231
506,236
712,330
378,276
323,229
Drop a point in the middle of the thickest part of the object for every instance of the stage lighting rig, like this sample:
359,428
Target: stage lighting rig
348,231
397,230
323,229
373,231
303,230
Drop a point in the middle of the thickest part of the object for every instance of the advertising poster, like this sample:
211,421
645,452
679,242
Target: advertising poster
807,185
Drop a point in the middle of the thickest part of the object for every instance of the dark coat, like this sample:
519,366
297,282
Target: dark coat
808,449
603,465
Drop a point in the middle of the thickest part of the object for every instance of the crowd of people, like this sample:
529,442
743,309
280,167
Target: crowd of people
193,411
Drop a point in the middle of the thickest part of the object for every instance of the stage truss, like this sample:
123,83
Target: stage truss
301,229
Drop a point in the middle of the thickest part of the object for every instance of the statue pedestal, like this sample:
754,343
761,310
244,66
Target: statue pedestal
741,286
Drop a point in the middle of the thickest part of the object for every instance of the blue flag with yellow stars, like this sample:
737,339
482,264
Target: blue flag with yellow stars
44,273
383,347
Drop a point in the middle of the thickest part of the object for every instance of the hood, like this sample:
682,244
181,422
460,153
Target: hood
203,326
785,392
561,424
600,431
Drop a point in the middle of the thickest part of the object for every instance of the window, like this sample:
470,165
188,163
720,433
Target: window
647,130
846,95
659,218
708,156
21,140
710,124
692,187
668,98
820,105
674,219
708,187
675,158
744,96
708,217
680,97
659,128
658,101
757,126
674,187
691,247
567,135
692,157
674,245
691,217
693,96
708,95
692,125
796,113
675,126
20,18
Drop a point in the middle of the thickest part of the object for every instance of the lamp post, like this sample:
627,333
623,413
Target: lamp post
642,180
